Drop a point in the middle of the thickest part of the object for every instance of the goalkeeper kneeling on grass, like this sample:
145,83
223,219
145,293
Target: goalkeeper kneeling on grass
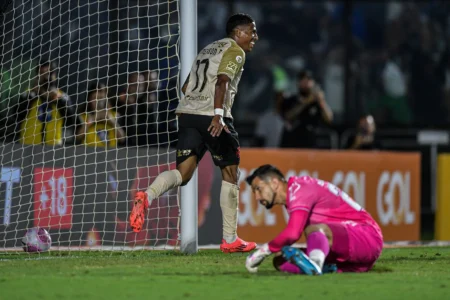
340,235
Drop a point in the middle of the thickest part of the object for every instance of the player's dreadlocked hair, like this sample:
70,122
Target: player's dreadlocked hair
264,172
236,20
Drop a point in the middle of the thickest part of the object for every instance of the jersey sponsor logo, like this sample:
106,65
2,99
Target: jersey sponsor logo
197,98
239,59
185,152
218,157
231,66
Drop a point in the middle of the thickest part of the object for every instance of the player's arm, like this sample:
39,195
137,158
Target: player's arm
302,198
183,89
221,88
292,232
230,64
327,113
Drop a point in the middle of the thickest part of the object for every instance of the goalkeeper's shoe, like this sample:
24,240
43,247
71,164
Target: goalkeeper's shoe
301,260
238,245
139,211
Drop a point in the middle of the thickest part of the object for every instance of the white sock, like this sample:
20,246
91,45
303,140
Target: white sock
165,181
229,201
318,257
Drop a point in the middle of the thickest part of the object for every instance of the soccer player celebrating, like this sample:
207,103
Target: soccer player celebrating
205,123
340,235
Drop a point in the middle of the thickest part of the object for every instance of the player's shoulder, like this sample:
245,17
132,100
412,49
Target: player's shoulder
224,44
236,51
230,45
305,180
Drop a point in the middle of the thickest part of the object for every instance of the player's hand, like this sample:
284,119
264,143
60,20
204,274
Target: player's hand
217,125
256,258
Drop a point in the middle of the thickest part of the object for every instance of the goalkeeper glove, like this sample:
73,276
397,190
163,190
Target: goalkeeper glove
256,258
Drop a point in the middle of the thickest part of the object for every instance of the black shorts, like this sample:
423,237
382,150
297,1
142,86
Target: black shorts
194,139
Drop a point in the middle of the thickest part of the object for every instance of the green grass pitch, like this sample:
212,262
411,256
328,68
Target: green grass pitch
402,273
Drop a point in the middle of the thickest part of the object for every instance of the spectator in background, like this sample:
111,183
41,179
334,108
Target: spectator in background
365,135
100,127
147,108
155,111
269,126
126,105
303,113
43,117
394,102
425,82
12,95
167,124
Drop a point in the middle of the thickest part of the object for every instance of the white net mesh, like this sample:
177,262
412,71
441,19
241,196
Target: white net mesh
88,93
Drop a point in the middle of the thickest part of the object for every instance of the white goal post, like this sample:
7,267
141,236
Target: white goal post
189,193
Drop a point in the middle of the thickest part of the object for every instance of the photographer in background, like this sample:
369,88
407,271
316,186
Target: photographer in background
365,135
303,113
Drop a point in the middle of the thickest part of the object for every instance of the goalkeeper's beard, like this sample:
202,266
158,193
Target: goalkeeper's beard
267,204
270,205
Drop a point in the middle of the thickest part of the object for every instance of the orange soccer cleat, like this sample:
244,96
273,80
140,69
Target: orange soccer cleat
238,245
137,215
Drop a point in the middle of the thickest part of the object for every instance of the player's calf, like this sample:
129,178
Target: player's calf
187,169
230,174
319,239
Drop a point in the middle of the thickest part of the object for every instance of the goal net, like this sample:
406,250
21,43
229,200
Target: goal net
88,93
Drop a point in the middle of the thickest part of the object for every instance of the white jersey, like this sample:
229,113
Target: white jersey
220,57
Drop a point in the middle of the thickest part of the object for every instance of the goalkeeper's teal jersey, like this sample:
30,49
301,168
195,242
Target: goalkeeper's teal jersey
221,57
